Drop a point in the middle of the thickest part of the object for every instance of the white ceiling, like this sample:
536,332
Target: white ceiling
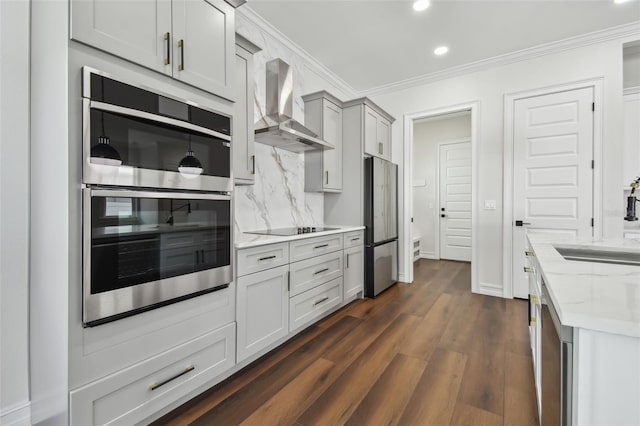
371,43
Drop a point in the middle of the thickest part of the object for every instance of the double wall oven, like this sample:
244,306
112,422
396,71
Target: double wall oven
156,199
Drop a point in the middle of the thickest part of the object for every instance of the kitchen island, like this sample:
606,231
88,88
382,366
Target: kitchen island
597,303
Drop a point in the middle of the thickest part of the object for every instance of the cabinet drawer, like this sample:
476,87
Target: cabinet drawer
307,306
309,247
260,258
312,272
353,239
135,393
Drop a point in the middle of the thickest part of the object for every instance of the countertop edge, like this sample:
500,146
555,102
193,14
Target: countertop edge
262,240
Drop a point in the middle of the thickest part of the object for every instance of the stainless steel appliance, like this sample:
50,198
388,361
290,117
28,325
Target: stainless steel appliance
557,366
278,127
145,249
381,220
156,199
136,137
292,231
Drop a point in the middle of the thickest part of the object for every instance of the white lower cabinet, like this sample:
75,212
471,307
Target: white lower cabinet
262,310
309,273
311,304
133,394
535,323
283,287
353,271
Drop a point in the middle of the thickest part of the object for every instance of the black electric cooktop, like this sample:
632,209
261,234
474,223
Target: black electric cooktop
293,231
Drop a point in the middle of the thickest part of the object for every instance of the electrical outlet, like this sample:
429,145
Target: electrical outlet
489,204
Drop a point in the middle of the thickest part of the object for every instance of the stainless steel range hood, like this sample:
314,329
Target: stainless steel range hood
278,128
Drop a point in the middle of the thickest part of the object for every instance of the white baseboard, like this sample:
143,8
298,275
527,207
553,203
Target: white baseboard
17,415
428,255
491,289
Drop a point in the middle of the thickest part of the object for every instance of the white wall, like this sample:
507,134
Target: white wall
49,213
426,136
14,208
488,87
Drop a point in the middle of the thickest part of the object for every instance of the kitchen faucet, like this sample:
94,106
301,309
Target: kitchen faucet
171,210
631,201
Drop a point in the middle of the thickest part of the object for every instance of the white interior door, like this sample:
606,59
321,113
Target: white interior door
455,201
553,175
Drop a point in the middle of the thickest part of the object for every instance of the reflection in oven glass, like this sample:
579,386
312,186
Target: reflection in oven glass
135,240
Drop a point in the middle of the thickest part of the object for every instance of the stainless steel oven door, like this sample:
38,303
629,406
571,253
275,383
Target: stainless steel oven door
151,147
143,250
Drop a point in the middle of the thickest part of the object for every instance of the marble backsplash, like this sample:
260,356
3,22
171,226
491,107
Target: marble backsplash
277,199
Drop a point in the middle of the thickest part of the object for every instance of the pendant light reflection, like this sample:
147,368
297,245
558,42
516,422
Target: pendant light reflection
190,167
103,153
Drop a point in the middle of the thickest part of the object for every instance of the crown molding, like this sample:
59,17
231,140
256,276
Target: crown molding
622,31
250,15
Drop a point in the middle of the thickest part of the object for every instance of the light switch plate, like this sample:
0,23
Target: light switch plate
489,204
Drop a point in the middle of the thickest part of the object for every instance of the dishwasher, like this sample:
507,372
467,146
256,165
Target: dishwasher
557,366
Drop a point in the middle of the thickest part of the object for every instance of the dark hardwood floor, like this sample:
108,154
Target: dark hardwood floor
427,353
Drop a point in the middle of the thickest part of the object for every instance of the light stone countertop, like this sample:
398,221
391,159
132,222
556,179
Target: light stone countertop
245,240
590,295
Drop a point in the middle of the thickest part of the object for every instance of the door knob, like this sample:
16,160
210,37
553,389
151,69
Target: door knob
521,223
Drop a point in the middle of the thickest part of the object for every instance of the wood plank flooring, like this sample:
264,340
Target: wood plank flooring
427,353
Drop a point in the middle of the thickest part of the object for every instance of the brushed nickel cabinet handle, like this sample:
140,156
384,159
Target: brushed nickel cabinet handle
181,46
267,258
326,180
167,39
324,299
355,239
347,260
380,149
253,164
155,386
288,281
321,246
321,271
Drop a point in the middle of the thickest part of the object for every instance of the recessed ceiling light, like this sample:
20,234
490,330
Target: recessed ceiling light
441,50
620,1
420,5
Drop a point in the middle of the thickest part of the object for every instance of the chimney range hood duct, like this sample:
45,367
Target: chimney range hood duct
278,128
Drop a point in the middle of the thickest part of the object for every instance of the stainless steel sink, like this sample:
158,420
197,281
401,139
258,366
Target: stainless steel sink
616,257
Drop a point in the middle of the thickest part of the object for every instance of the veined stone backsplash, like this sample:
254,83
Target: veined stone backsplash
277,199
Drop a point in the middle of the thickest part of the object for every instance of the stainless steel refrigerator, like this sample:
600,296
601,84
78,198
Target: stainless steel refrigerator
381,220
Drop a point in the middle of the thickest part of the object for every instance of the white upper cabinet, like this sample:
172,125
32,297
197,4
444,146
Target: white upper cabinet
376,126
191,40
377,134
204,45
134,30
323,169
244,165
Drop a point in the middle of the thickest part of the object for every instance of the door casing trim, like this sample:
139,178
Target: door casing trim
597,84
407,244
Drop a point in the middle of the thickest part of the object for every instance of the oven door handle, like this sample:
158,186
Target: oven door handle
124,193
102,106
